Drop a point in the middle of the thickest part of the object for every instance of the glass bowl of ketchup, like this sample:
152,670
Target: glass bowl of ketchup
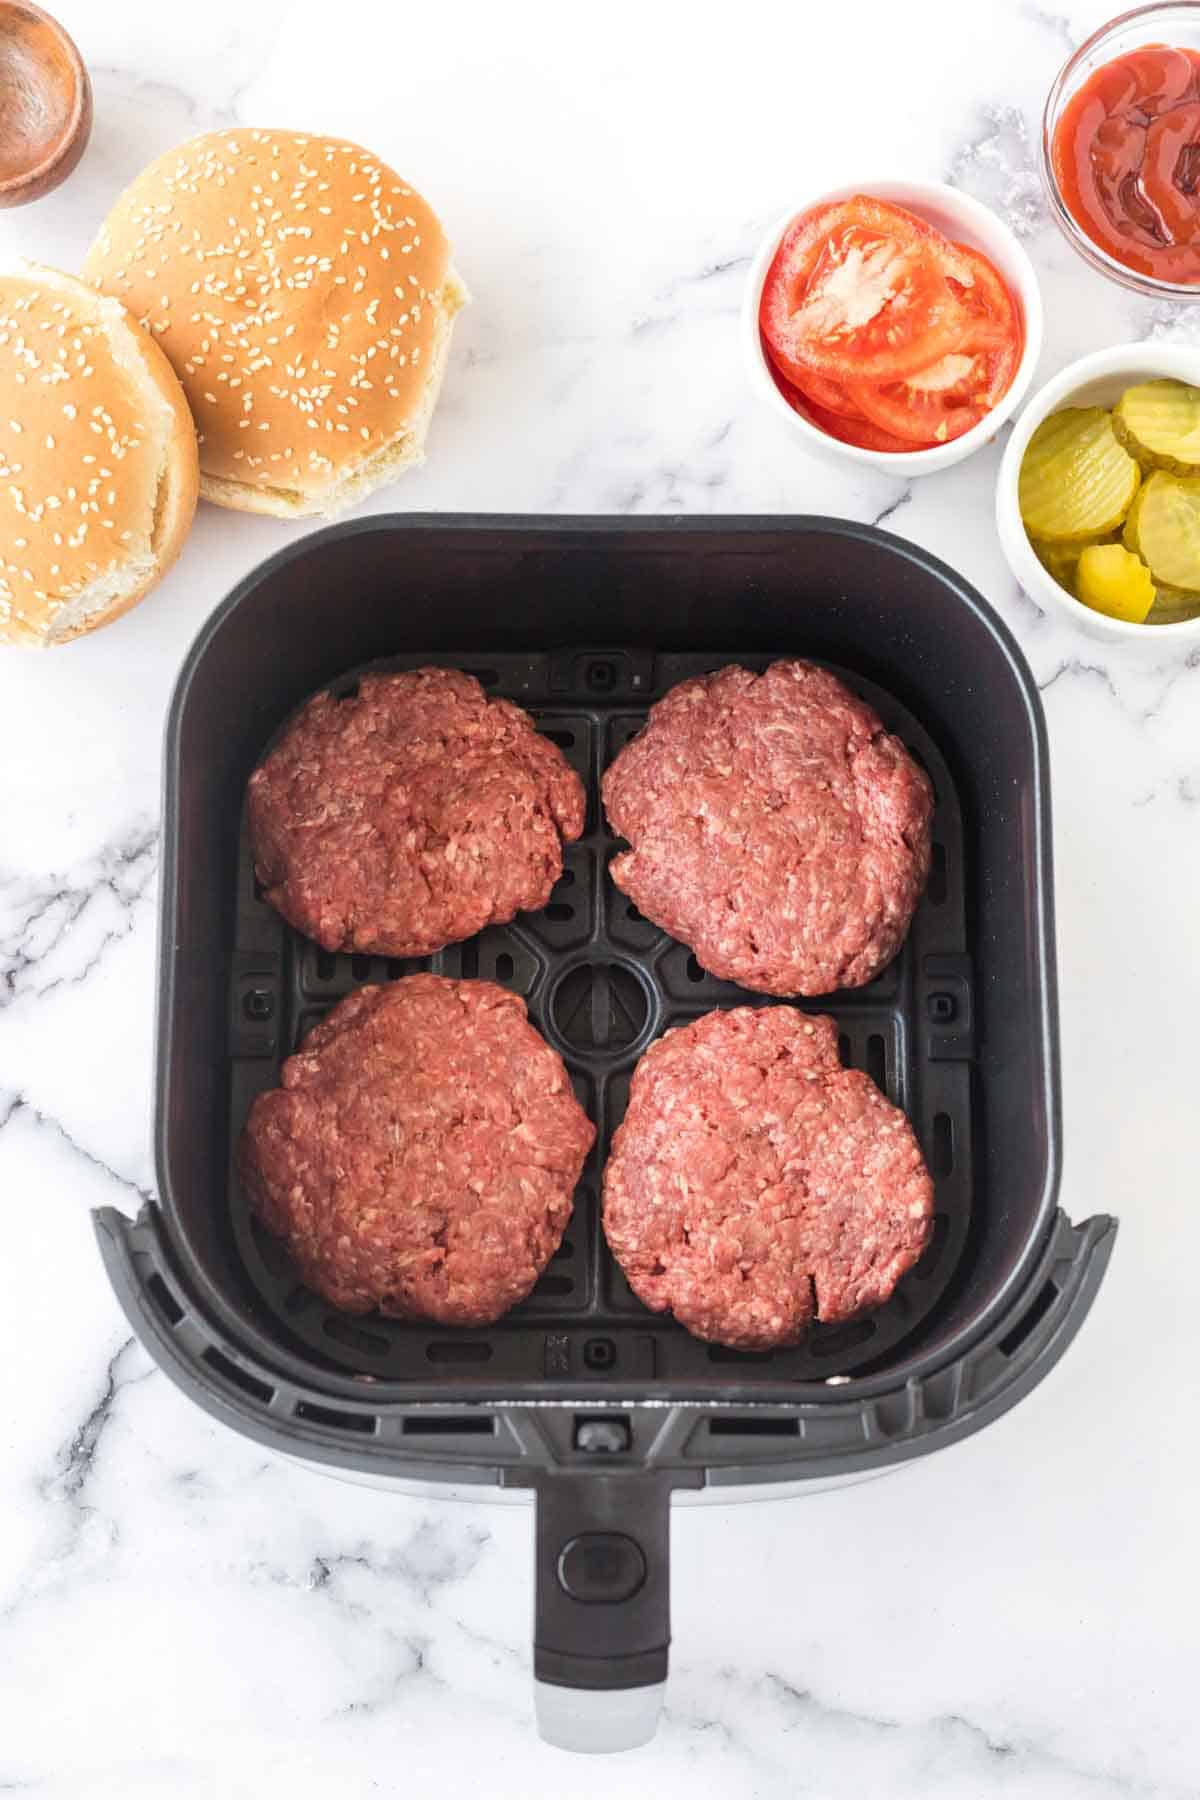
1121,149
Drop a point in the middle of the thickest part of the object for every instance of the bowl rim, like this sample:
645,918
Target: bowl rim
978,220
1181,361
67,138
1093,253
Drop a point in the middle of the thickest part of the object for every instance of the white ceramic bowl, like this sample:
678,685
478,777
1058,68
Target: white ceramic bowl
959,217
1097,380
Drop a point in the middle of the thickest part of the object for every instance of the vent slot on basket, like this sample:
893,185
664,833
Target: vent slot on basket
164,1299
450,1425
877,1060
1032,1319
941,1159
455,1350
752,1426
249,1384
362,1423
937,886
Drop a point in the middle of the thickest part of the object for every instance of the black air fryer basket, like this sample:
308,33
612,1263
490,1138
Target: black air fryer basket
581,1394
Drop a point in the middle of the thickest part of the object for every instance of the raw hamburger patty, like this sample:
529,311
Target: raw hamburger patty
422,1152
776,828
755,1184
411,815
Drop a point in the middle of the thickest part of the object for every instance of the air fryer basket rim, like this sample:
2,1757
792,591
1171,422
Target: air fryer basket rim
549,528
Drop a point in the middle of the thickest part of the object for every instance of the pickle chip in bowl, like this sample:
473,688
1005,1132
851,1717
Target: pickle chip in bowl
1098,504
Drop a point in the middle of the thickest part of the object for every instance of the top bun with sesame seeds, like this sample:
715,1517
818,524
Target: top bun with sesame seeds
304,295
98,466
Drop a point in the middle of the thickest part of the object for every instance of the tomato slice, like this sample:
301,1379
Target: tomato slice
863,432
823,389
939,403
953,394
857,290
933,406
994,320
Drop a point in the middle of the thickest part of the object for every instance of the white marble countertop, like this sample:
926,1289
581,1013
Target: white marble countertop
181,1615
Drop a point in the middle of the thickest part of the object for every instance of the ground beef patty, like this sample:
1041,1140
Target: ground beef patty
410,815
422,1152
755,1184
776,828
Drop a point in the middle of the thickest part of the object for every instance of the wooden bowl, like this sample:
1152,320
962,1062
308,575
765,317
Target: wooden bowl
46,109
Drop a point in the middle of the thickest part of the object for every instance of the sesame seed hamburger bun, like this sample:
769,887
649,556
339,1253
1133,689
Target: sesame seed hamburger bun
304,295
98,466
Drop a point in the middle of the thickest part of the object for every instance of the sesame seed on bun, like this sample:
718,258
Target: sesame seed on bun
98,467
304,295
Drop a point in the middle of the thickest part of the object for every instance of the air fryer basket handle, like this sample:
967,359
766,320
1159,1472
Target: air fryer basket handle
602,1626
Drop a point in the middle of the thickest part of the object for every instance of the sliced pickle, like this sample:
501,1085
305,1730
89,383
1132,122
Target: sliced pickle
1159,423
1112,580
1076,480
1129,533
1060,561
1165,529
1173,605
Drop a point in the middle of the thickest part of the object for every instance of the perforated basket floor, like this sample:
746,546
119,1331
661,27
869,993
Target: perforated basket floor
601,982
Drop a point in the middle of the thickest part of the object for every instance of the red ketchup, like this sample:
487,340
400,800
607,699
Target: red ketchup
1127,161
